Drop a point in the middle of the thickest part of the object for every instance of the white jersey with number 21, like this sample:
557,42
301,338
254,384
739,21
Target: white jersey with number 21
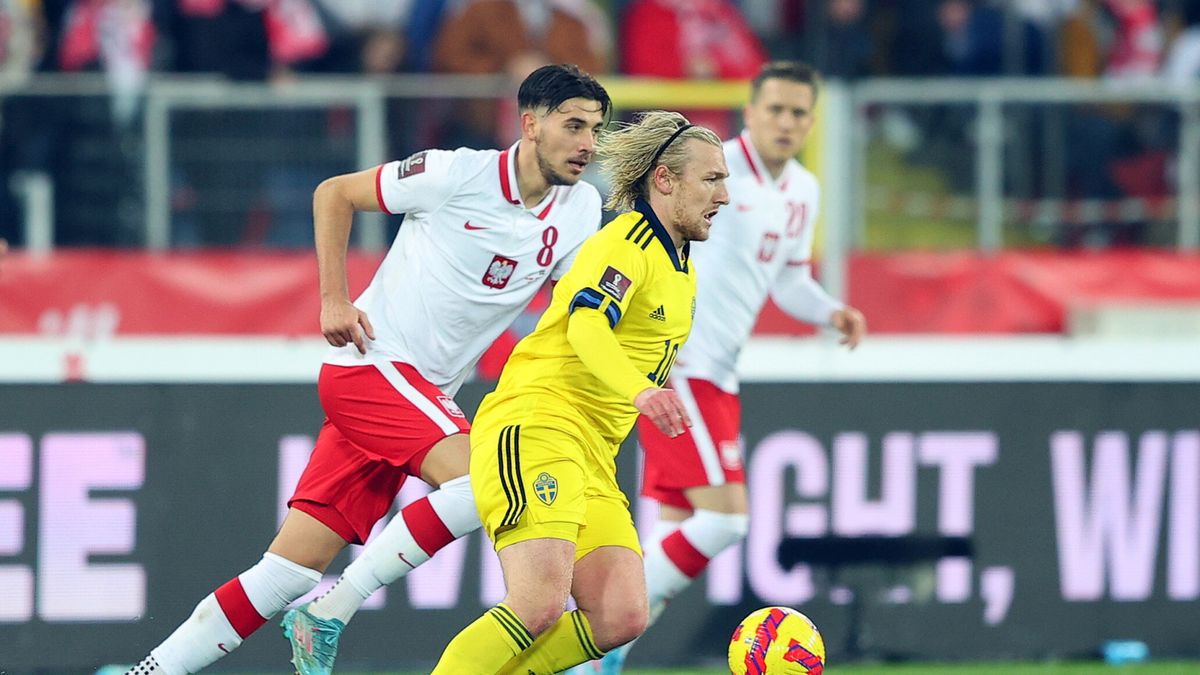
760,245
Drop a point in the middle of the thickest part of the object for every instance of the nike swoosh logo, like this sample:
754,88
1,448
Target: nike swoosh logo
221,646
469,226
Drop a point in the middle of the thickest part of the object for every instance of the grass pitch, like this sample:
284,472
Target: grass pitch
1072,668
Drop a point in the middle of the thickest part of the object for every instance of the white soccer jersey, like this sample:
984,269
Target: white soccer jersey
759,244
467,260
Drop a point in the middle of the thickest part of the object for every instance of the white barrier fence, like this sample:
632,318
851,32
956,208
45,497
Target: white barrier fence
819,359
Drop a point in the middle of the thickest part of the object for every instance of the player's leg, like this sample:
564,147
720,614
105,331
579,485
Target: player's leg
704,465
530,493
313,533
420,529
239,607
400,420
537,575
717,521
699,480
609,590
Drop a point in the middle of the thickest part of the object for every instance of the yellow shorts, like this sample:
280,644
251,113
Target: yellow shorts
533,480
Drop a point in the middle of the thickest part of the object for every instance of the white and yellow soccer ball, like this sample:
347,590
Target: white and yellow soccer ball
776,641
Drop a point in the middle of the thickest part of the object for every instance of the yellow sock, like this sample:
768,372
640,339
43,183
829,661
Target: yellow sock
569,642
483,647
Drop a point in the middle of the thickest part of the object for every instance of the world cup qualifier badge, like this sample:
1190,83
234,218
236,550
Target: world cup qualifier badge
546,488
615,283
411,166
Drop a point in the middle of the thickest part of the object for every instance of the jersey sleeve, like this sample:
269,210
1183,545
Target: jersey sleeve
418,183
607,274
798,294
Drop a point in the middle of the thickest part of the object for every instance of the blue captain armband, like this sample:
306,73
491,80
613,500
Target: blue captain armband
592,299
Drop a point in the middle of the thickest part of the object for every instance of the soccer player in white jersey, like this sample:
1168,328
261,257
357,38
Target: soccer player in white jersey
483,231
760,246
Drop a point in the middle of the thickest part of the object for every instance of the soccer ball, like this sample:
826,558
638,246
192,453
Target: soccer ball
776,641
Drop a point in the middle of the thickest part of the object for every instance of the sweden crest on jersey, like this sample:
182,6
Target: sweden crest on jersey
546,488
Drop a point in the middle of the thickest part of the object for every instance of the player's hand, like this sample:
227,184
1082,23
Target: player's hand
340,321
851,324
664,409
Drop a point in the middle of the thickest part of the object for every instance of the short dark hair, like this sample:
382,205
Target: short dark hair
792,71
549,86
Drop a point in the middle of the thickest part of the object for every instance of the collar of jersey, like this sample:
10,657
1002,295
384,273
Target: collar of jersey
756,166
660,232
508,184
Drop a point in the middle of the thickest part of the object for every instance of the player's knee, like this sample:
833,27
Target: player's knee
540,617
618,626
732,527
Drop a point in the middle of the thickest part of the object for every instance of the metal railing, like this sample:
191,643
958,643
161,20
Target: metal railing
845,128
991,96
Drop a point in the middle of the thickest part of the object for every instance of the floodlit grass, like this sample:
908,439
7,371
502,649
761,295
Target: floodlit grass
1082,668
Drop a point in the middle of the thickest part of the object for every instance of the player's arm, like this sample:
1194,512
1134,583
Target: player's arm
798,294
334,203
594,342
411,185
802,297
603,281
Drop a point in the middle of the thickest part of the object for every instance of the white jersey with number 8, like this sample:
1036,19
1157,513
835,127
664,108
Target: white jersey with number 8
467,260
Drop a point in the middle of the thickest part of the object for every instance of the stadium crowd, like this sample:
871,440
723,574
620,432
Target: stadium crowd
281,40
267,39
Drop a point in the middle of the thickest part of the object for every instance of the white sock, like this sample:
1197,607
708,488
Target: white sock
664,527
208,634
419,531
707,533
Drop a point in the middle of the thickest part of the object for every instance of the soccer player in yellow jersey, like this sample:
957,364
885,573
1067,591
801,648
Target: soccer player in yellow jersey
544,444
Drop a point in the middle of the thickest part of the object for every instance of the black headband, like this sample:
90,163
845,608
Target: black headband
664,146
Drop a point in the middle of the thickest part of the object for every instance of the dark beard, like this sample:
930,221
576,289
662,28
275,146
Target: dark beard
551,176
688,230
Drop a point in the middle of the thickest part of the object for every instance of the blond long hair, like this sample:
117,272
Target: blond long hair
626,154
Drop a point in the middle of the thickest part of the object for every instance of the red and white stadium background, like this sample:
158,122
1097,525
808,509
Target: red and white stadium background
239,293
155,412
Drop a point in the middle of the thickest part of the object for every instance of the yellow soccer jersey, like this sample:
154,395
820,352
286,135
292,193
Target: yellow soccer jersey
629,274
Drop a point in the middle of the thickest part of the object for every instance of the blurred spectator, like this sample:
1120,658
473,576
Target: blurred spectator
1182,64
1039,21
1112,150
972,38
19,45
515,37
366,36
1081,53
1137,42
252,199
845,46
241,39
698,39
118,35
424,24
18,38
693,39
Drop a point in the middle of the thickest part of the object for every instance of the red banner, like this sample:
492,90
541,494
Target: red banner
1010,292
103,292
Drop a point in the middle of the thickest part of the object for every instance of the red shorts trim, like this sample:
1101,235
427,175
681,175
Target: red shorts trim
382,420
709,453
